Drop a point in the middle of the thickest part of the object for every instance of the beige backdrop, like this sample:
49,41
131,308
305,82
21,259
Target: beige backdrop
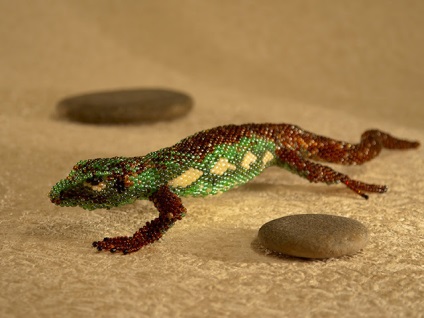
332,67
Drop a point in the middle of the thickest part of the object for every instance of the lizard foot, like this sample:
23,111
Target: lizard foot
361,187
148,234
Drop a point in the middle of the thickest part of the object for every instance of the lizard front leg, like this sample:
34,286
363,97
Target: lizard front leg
170,210
315,172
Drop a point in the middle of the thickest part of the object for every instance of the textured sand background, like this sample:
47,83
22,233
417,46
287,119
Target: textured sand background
333,67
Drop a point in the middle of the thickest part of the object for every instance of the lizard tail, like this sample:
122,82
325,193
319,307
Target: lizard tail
372,142
386,140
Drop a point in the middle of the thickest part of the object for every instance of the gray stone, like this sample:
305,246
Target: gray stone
314,235
125,106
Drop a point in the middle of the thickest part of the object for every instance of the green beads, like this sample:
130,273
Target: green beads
110,182
228,166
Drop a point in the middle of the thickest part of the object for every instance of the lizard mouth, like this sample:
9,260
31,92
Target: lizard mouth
83,196
59,195
55,200
90,196
55,196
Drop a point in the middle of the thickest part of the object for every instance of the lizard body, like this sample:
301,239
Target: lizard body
211,162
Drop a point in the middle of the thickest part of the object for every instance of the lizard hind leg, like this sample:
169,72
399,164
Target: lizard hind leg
170,210
315,172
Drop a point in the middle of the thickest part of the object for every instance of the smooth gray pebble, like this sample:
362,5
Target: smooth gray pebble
314,235
125,106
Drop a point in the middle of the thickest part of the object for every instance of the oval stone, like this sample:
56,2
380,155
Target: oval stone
125,106
314,235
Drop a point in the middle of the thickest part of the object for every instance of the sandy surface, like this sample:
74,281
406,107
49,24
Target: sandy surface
336,68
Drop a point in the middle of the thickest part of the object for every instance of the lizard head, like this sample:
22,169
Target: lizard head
97,183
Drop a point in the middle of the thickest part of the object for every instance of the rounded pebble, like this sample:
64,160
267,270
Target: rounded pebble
125,106
314,235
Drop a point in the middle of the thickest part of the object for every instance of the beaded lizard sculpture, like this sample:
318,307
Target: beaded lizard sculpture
211,162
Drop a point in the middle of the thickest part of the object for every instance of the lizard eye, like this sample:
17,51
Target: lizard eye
94,180
95,183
